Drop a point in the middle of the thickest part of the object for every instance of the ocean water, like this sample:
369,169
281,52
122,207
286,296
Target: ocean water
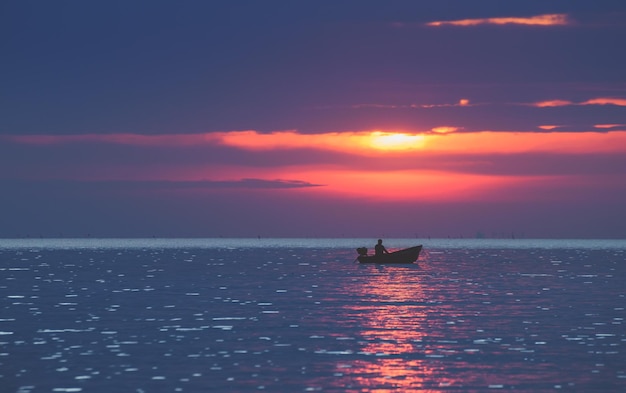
298,315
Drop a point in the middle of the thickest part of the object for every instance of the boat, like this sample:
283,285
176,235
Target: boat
407,255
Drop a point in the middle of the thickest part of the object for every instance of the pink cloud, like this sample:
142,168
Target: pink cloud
548,127
445,129
605,101
552,103
442,139
464,102
461,102
537,20
437,165
607,126
593,101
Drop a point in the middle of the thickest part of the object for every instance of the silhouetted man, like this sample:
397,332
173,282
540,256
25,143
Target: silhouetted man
379,249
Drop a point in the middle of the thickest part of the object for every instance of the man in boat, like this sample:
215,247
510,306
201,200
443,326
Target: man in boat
379,249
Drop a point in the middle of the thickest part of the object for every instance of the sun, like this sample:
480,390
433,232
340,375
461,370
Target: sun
395,140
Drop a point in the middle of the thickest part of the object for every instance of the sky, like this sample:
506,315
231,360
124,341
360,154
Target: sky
422,118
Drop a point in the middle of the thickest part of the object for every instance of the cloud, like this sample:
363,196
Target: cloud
367,143
443,139
249,183
593,101
462,102
608,126
537,20
429,166
548,127
116,139
605,101
551,103
258,183
503,142
245,183
445,129
363,141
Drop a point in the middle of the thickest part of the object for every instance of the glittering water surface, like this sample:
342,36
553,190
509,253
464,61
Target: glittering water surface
289,315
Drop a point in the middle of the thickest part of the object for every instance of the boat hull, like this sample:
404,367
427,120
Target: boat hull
407,255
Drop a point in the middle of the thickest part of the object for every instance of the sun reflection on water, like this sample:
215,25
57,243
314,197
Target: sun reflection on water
393,319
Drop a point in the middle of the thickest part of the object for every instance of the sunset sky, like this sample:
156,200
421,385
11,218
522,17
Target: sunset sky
313,118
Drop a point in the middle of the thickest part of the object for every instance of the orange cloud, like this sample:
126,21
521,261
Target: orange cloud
354,142
490,142
402,184
605,126
352,179
444,129
537,20
552,103
462,102
249,140
605,101
375,165
548,127
487,142
439,140
593,101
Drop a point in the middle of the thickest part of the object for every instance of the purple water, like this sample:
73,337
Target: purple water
300,315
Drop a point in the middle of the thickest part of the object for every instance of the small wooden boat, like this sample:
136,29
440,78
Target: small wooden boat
407,255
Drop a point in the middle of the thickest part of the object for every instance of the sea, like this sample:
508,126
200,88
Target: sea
300,315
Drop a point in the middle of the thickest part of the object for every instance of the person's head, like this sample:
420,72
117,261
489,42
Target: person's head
380,241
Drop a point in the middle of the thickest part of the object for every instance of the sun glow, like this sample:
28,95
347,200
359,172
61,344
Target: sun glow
444,139
397,185
356,142
435,165
395,141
